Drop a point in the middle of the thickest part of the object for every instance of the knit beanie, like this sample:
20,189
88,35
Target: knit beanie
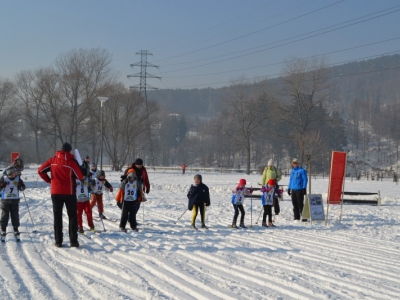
66,147
139,162
242,182
270,163
198,176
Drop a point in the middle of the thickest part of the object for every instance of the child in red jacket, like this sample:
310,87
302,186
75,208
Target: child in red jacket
83,204
98,185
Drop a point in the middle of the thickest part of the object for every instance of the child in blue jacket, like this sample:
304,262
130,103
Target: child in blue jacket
239,193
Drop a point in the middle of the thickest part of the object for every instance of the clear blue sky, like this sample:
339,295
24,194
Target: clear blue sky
195,43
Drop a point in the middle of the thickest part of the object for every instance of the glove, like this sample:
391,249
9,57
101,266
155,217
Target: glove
251,190
263,189
147,190
207,204
123,177
304,191
119,204
111,189
289,192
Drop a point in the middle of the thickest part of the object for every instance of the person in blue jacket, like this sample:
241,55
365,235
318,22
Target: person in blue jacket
297,188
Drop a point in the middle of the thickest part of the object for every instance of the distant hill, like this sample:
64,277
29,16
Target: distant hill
351,80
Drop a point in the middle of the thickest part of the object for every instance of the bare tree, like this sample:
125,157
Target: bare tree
244,111
126,118
8,114
307,89
84,75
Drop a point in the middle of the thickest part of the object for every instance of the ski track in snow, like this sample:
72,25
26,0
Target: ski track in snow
356,259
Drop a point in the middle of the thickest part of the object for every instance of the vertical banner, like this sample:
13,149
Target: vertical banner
336,178
14,155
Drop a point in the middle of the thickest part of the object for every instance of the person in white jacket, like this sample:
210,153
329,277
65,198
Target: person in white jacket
239,194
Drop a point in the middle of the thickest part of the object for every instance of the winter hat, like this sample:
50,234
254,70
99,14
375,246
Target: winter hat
93,165
270,163
139,162
87,157
242,182
198,176
271,182
294,161
66,147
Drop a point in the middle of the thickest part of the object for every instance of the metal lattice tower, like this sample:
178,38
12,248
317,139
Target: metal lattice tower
143,64
143,86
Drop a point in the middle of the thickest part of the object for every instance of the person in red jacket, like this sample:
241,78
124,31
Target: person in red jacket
64,171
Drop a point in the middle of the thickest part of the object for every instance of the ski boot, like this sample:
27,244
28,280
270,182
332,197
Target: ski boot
91,228
270,224
204,226
122,229
242,225
264,224
193,226
80,230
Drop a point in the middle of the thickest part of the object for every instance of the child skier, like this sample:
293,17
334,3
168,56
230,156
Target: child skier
83,204
239,193
10,185
97,186
267,199
129,196
199,198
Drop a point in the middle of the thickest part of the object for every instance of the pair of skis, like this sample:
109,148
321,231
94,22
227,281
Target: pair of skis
16,235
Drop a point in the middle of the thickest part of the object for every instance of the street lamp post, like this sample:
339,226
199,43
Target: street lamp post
102,100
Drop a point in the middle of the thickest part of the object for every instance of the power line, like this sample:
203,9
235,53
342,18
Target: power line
293,37
284,44
218,25
254,32
282,62
281,73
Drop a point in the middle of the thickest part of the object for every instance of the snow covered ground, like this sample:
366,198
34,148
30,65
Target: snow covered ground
356,259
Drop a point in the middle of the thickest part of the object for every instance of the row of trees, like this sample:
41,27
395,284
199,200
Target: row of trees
294,116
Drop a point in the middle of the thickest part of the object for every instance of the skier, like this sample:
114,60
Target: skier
64,170
18,164
183,169
199,198
128,197
97,186
93,171
143,179
267,199
270,172
239,193
10,185
86,164
297,188
83,204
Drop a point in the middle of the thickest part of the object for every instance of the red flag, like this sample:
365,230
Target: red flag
14,155
336,178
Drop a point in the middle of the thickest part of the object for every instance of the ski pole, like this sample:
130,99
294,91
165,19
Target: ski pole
34,230
181,216
102,222
251,210
259,216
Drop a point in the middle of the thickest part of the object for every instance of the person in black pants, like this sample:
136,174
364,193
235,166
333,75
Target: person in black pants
64,171
297,188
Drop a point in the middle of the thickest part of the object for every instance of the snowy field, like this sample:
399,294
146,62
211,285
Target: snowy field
356,259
